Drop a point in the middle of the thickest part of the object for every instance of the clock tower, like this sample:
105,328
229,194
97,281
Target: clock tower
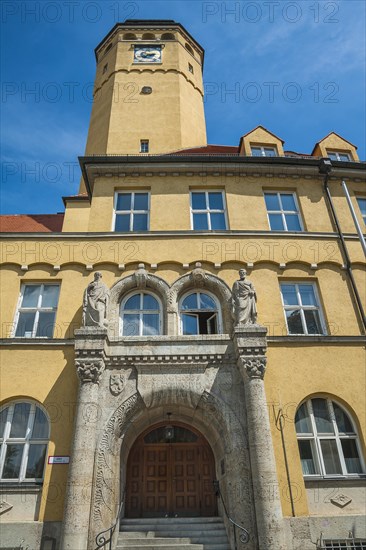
148,93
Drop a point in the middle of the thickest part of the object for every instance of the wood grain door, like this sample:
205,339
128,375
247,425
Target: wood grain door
170,479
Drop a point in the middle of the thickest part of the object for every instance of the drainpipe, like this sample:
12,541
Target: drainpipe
355,220
325,167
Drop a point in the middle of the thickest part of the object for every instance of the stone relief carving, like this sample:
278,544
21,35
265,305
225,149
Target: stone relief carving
199,276
95,303
90,371
244,298
254,367
105,486
141,276
341,500
117,383
5,507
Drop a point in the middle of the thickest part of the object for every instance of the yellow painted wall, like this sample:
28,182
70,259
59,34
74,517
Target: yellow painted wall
46,375
297,372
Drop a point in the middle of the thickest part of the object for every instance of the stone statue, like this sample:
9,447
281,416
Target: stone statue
244,307
95,303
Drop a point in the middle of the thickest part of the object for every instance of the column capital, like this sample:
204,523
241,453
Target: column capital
90,370
254,367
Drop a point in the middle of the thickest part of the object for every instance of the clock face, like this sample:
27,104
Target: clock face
147,54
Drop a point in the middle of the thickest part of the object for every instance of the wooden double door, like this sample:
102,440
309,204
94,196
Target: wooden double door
170,478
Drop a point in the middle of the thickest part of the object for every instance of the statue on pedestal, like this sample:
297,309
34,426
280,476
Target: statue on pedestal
244,298
95,303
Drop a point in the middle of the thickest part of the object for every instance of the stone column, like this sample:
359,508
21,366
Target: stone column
90,366
250,341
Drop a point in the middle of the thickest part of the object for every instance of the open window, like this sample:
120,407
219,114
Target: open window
199,314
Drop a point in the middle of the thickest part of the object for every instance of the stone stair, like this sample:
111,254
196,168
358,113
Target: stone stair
173,534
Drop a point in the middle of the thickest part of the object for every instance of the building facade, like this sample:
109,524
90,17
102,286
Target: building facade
143,376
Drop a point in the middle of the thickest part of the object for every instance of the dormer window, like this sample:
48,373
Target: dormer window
338,155
263,151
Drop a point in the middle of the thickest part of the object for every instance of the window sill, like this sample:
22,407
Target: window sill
20,487
324,479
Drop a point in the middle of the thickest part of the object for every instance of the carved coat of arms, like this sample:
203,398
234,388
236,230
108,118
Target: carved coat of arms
117,383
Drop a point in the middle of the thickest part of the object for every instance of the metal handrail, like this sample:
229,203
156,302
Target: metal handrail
244,536
101,539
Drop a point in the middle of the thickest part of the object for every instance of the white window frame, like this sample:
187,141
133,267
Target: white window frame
132,211
218,310
37,309
144,143
262,149
140,312
363,216
282,211
26,441
208,210
315,439
303,308
337,155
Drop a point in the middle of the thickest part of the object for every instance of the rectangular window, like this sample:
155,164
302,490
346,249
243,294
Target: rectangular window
362,205
283,211
105,68
190,68
263,151
302,309
132,211
337,155
208,210
36,313
144,146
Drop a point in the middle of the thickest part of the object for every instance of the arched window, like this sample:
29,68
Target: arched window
148,36
199,314
140,315
167,36
189,49
327,439
24,434
129,36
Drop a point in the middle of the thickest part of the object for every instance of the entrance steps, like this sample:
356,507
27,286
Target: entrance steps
173,534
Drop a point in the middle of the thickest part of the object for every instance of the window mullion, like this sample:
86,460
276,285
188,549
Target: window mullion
35,324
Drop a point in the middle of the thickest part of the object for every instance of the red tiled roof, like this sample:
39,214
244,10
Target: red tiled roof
31,223
209,150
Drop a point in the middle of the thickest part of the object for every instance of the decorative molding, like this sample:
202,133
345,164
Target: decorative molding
105,497
255,367
90,370
180,360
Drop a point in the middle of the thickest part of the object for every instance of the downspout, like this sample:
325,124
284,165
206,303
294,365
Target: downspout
325,167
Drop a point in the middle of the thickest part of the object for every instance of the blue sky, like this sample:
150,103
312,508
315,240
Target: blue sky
297,68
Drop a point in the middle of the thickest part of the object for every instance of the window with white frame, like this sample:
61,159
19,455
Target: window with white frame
141,315
144,146
338,155
24,435
302,310
327,439
283,211
132,211
263,151
208,210
199,314
36,313
361,201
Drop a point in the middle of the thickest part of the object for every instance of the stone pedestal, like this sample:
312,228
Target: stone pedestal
89,362
250,343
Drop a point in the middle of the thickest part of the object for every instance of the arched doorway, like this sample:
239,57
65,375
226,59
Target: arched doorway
170,473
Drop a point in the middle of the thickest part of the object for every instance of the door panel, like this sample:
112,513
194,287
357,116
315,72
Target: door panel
170,479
